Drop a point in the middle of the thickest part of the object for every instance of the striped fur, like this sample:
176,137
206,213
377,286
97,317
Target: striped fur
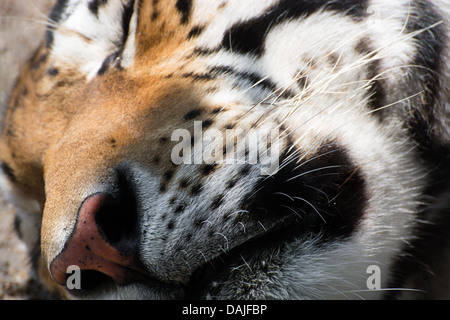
358,91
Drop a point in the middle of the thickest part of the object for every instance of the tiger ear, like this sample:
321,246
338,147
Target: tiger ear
92,36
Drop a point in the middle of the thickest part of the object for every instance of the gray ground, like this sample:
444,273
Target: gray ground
22,23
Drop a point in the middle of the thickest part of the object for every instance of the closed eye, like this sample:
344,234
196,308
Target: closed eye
115,59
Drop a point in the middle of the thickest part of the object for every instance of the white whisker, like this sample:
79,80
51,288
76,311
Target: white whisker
312,171
312,206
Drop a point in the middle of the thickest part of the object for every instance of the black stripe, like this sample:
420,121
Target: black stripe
249,36
195,32
377,94
199,76
94,5
192,114
7,170
128,10
204,52
184,7
55,17
253,78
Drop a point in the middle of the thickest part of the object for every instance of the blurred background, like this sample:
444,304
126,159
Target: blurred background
22,27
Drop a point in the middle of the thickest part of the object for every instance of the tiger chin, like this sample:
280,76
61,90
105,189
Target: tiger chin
193,149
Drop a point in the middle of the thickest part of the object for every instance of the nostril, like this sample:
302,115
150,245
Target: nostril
117,218
107,220
92,279
116,223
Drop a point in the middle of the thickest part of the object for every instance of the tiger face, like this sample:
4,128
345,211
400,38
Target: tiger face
232,150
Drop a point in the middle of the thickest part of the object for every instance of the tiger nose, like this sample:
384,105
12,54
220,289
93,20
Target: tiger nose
103,240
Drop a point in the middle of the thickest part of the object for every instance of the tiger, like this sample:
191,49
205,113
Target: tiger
225,149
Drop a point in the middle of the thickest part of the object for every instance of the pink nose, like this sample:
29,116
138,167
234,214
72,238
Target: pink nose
89,249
